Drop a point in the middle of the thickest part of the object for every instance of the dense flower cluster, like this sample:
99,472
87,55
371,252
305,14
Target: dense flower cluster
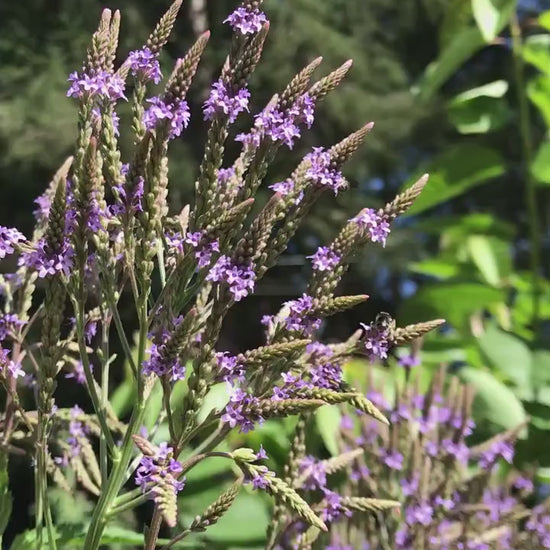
376,226
222,100
9,237
240,411
204,248
176,113
377,342
322,172
161,469
161,363
144,65
96,84
246,21
9,323
240,279
324,259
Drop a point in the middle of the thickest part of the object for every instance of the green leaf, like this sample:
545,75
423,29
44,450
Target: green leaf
463,44
544,20
540,374
452,301
536,51
492,15
540,168
479,116
491,256
538,91
327,420
442,269
495,406
6,500
245,522
454,172
508,356
543,475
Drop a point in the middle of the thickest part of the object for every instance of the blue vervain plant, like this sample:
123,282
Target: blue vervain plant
104,231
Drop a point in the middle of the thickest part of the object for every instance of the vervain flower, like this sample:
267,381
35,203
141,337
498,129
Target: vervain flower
324,259
246,21
222,100
322,173
9,237
376,226
176,113
144,65
239,278
96,84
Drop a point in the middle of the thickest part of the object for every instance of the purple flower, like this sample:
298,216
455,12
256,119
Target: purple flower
421,513
9,237
128,202
246,21
261,454
333,508
48,263
299,317
144,65
230,368
239,411
240,279
376,342
322,173
326,375
204,249
376,226
409,361
497,450
225,174
459,451
78,373
221,100
393,460
161,467
101,84
324,259
314,473
9,322
287,187
176,113
409,487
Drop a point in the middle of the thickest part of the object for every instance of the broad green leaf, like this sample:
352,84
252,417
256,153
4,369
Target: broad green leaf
442,269
454,172
536,51
216,398
491,256
327,420
539,414
538,91
492,15
463,44
458,14
509,356
464,225
540,374
543,475
6,501
455,302
479,115
544,20
245,522
495,89
495,406
540,168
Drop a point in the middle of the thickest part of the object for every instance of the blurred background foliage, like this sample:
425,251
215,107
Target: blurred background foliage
457,88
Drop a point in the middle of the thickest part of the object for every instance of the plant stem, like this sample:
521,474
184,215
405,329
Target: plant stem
154,528
530,184
116,478
103,458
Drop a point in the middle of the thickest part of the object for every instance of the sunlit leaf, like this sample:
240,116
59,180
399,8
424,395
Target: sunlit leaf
544,20
327,420
536,51
492,15
538,91
540,168
495,406
455,171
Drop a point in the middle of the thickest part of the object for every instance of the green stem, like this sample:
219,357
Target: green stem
49,524
105,363
530,184
154,529
129,503
115,481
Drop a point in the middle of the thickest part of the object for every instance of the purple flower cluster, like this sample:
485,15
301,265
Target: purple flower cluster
322,172
281,126
377,343
230,369
48,262
222,100
239,411
128,203
9,323
246,21
324,259
10,368
204,249
77,373
176,113
161,365
77,431
162,467
499,449
376,226
538,525
299,317
96,84
240,279
9,237
313,473
144,65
